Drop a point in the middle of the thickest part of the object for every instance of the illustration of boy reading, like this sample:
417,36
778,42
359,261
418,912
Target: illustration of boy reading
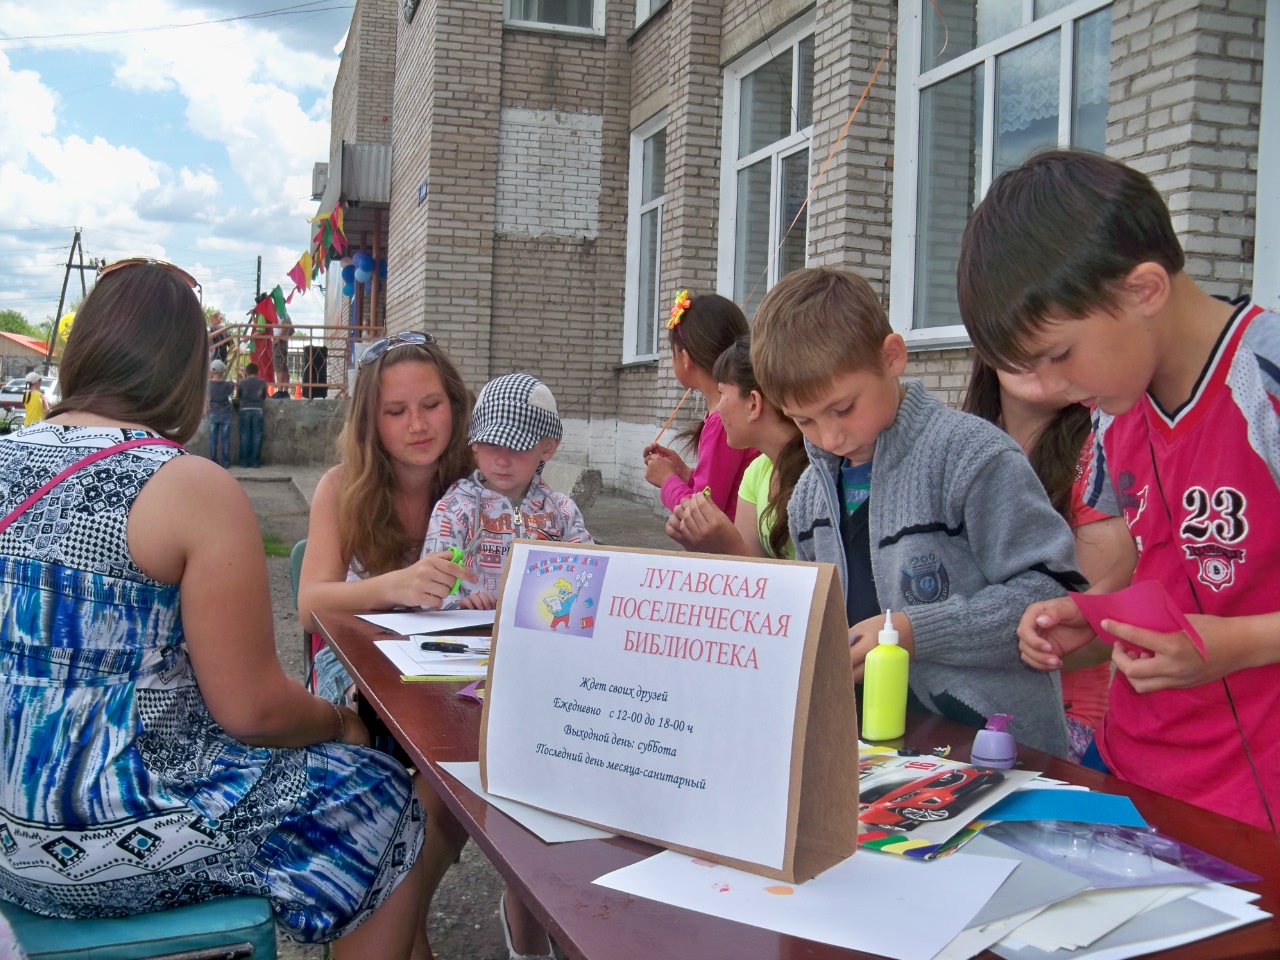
560,602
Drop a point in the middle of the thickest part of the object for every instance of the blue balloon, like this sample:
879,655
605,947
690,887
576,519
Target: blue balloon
382,268
362,275
348,289
348,273
363,260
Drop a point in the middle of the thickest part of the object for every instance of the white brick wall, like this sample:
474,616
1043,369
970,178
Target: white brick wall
614,448
548,173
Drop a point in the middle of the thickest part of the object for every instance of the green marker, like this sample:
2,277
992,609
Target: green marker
457,556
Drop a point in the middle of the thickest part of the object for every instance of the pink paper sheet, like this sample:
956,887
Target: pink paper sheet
1146,604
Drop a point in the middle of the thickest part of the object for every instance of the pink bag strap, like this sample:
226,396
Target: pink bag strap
80,464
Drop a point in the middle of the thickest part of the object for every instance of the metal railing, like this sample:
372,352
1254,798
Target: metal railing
309,348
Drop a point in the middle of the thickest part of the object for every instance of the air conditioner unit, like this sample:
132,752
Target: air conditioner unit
319,180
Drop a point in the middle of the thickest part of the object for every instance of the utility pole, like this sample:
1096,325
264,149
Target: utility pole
257,284
62,300
77,248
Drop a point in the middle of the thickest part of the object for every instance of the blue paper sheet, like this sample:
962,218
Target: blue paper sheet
1080,806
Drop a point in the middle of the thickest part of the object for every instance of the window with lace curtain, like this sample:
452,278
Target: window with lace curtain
981,86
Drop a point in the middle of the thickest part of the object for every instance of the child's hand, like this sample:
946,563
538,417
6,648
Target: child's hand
865,635
657,469
698,524
657,452
1049,630
1163,661
479,601
428,582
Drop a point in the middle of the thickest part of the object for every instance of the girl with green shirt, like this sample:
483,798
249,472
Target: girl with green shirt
759,528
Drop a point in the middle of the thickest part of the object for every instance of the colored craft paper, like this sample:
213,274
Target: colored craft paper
889,906
1075,805
1034,885
1146,604
920,807
546,826
299,276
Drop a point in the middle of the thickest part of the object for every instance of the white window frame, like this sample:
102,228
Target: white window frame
647,8
635,209
906,135
1266,248
595,30
788,37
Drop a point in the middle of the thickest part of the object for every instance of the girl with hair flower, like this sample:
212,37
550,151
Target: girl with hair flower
699,330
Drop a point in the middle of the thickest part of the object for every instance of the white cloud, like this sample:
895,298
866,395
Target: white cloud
246,88
26,111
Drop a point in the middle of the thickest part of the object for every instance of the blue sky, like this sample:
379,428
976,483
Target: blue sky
191,144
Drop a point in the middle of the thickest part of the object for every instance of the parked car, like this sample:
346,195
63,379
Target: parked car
11,410
11,395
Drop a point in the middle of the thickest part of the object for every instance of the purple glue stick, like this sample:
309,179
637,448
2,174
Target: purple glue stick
994,746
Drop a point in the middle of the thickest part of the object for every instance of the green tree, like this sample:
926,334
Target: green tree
11,321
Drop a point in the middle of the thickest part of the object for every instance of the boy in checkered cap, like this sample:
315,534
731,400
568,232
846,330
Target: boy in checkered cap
515,429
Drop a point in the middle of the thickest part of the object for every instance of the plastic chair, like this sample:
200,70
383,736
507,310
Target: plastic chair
224,929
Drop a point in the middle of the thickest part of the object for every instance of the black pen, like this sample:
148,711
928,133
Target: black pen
442,646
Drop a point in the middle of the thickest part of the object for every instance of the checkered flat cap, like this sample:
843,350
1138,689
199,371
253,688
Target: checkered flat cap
514,411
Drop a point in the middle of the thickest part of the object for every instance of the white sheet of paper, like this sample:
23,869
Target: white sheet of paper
414,662
894,906
546,826
1087,917
1212,910
642,692
429,621
972,941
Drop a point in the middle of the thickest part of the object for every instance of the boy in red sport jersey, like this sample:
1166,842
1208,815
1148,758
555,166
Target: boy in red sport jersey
1070,267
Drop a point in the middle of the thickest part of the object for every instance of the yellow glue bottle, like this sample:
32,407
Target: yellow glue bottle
884,687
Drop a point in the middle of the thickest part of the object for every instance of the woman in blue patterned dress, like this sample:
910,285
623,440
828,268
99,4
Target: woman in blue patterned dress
154,752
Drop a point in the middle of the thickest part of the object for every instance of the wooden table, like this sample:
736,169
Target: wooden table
434,725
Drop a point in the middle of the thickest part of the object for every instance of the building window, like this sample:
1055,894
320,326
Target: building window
768,124
570,16
1012,78
647,190
647,8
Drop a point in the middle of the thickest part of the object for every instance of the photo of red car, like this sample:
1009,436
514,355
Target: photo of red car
939,796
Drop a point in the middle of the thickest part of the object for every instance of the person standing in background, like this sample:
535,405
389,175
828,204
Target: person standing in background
218,404
219,337
33,400
250,392
280,335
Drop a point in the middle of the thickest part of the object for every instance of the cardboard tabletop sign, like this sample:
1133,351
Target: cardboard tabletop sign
701,703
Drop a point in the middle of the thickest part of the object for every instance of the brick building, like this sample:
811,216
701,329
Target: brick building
560,167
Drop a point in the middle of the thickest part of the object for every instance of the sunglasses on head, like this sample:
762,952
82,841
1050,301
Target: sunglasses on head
186,278
374,351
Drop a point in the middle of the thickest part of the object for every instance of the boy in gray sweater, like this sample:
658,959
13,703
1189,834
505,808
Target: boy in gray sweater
933,514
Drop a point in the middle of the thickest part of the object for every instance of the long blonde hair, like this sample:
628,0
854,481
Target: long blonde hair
371,533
